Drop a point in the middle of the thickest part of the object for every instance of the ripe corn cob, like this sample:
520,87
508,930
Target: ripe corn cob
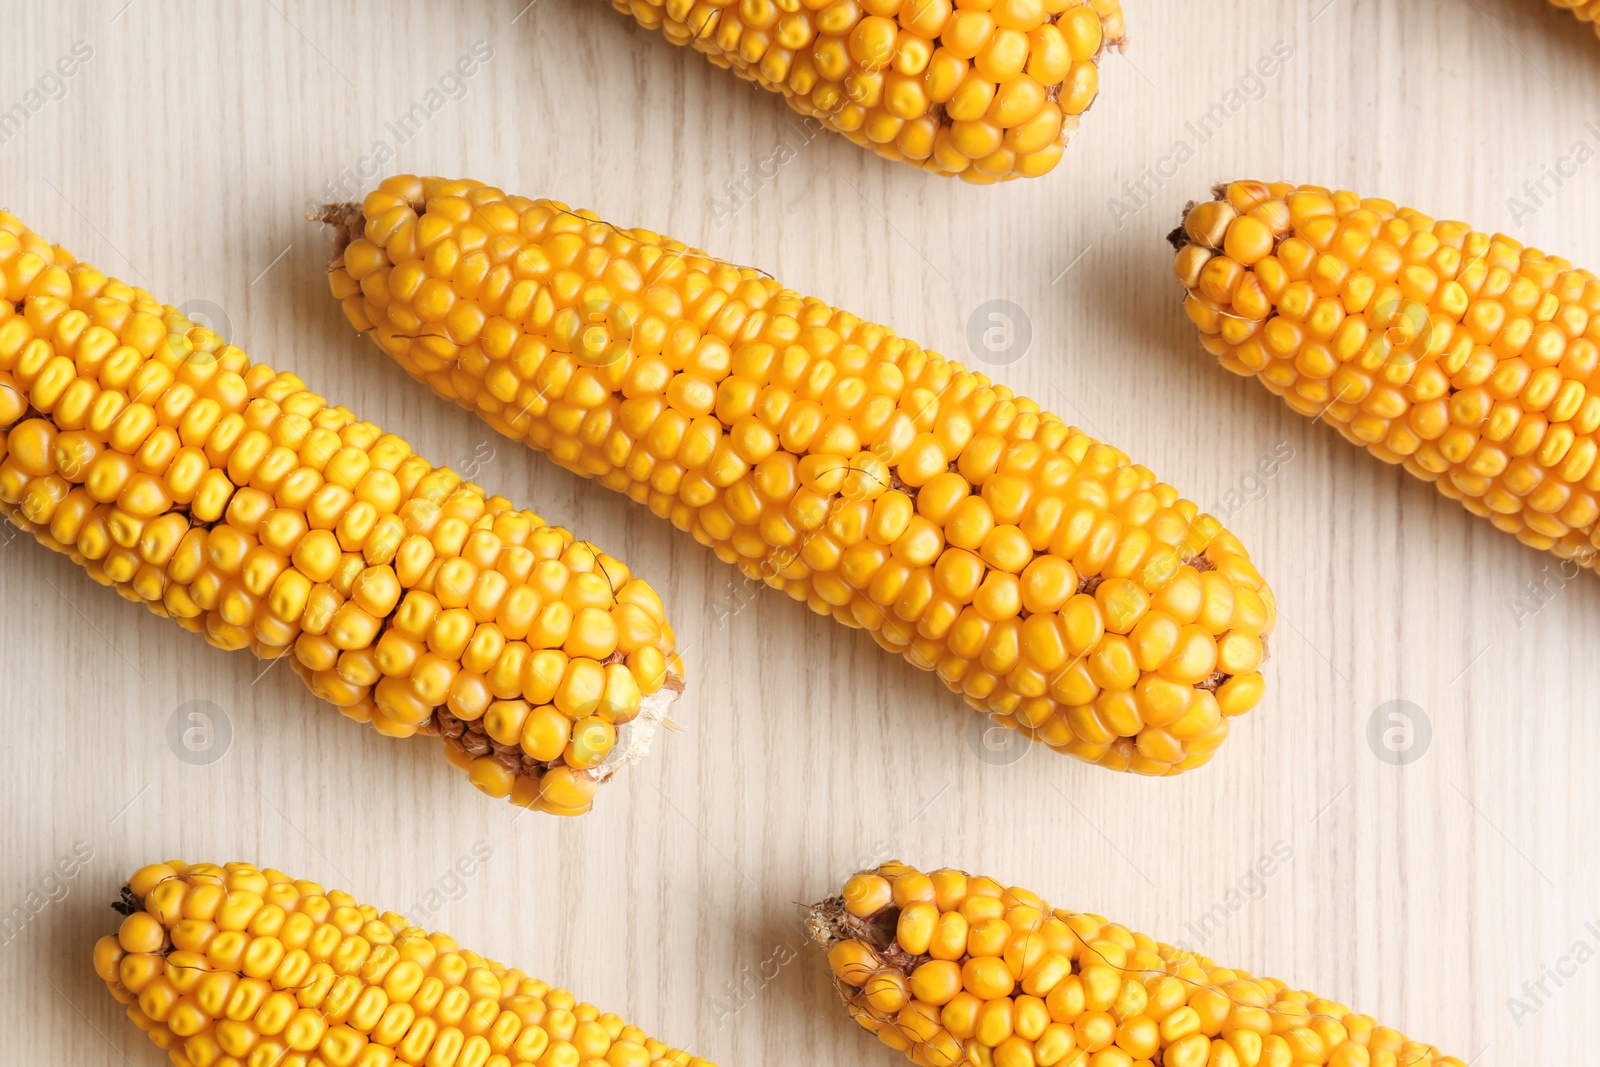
231,499
989,91
952,968
1587,10
232,965
1060,588
1472,360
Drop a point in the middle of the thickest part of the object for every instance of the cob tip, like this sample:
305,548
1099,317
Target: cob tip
127,902
635,737
1178,238
470,297
830,922
345,218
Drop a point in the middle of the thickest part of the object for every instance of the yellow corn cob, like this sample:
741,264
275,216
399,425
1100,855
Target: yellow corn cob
234,965
229,498
988,91
951,968
1587,10
1059,587
1472,360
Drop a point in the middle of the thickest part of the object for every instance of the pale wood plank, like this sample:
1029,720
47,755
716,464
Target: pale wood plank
182,156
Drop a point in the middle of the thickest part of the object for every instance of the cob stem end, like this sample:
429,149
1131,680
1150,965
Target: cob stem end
830,922
127,903
635,738
346,219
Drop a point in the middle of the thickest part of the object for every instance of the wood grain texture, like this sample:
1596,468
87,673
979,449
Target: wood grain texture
182,156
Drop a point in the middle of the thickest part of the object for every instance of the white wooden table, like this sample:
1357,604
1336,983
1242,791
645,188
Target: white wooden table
182,154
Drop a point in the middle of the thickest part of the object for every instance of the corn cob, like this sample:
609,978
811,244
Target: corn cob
1587,10
952,968
231,499
1060,588
988,91
232,965
1466,357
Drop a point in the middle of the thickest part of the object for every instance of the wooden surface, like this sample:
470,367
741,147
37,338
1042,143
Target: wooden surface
182,156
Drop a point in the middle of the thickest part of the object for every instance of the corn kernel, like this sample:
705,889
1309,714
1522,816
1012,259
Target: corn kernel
873,71
1091,992
382,991
879,481
234,499
1437,366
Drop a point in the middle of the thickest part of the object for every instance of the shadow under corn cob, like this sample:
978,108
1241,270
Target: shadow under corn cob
1587,10
988,92
951,968
228,497
1466,357
234,965
1054,584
